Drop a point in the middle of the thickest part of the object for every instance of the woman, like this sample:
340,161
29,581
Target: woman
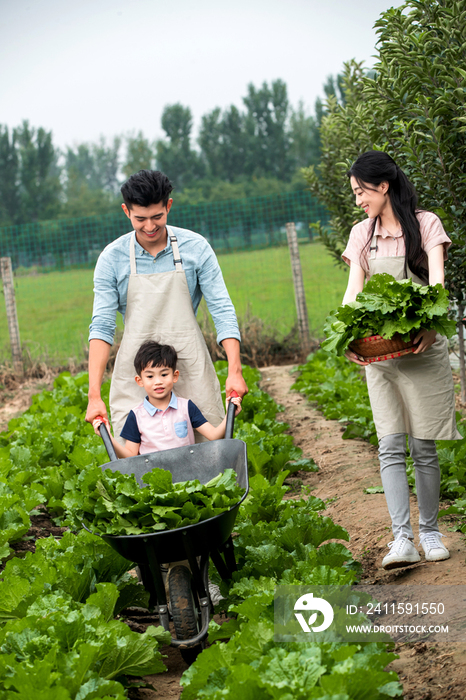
412,395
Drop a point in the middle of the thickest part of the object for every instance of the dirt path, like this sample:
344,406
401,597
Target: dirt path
17,400
346,468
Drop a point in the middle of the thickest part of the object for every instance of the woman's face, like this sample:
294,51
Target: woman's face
372,198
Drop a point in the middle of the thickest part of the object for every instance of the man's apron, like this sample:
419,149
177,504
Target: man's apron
412,394
159,307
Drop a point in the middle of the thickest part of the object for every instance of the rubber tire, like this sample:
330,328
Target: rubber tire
184,610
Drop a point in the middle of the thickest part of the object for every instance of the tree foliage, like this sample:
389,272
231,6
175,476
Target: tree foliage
240,152
139,155
413,107
29,175
175,155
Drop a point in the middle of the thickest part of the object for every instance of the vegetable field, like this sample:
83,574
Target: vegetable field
338,388
63,606
55,309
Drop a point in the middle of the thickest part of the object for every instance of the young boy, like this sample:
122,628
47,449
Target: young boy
163,420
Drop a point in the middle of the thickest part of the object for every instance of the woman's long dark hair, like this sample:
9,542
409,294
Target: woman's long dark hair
374,167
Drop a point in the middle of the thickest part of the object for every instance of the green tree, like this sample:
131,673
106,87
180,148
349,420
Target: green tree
175,157
39,174
344,134
222,140
304,138
412,106
10,204
139,155
92,178
266,122
94,164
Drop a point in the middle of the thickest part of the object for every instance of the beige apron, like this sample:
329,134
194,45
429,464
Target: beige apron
159,307
413,394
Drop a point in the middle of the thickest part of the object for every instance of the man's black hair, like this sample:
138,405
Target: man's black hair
145,188
152,354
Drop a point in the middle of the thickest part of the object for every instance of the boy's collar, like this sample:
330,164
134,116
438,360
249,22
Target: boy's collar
152,410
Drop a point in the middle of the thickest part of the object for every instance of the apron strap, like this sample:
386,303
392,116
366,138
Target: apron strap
132,255
176,251
374,247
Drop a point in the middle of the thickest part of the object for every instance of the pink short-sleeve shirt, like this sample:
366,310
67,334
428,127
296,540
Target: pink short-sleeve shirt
393,244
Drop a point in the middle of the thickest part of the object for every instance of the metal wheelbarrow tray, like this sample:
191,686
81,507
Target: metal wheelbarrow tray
208,538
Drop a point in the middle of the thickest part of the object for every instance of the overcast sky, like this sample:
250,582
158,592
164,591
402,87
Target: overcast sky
93,67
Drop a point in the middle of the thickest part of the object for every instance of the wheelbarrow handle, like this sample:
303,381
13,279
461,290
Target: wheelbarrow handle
107,440
230,417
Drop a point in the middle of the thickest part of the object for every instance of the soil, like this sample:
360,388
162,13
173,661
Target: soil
346,468
15,397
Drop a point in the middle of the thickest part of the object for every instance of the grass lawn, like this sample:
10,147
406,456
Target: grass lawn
54,310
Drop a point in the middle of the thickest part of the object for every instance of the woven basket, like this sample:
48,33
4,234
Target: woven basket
377,349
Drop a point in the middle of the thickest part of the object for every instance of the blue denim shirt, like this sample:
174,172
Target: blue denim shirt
203,275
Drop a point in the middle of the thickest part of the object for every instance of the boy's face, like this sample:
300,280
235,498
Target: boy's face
157,382
149,222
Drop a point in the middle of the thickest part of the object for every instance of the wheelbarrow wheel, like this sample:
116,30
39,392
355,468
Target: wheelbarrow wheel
184,610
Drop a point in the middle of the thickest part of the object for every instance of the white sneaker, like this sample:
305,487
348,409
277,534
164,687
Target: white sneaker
433,547
402,553
214,592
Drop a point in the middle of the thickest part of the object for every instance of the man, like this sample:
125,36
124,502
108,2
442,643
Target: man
156,276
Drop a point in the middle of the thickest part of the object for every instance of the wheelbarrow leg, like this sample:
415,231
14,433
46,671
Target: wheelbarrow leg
157,580
147,580
196,572
220,565
229,553
225,567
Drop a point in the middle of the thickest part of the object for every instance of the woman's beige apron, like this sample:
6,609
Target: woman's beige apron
159,307
413,394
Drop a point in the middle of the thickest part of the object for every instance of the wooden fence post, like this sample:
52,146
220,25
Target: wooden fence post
10,302
301,307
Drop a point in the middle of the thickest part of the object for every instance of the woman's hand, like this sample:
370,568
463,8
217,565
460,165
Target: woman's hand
355,358
425,340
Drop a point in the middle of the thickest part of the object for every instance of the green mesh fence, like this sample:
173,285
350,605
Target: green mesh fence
55,308
229,225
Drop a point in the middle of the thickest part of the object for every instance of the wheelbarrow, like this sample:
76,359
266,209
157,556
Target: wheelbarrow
188,592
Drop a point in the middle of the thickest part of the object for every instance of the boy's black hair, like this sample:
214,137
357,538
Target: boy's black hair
145,188
152,354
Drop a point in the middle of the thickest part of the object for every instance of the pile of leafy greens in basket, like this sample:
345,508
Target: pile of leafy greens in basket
112,503
385,307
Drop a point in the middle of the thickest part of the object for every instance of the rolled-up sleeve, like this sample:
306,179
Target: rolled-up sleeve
433,233
218,300
357,242
106,301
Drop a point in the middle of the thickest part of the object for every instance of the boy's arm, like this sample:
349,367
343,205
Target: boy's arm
212,433
129,449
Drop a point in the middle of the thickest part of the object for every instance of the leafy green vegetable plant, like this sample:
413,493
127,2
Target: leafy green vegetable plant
340,391
385,307
57,634
114,504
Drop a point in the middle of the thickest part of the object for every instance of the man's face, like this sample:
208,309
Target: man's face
149,223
